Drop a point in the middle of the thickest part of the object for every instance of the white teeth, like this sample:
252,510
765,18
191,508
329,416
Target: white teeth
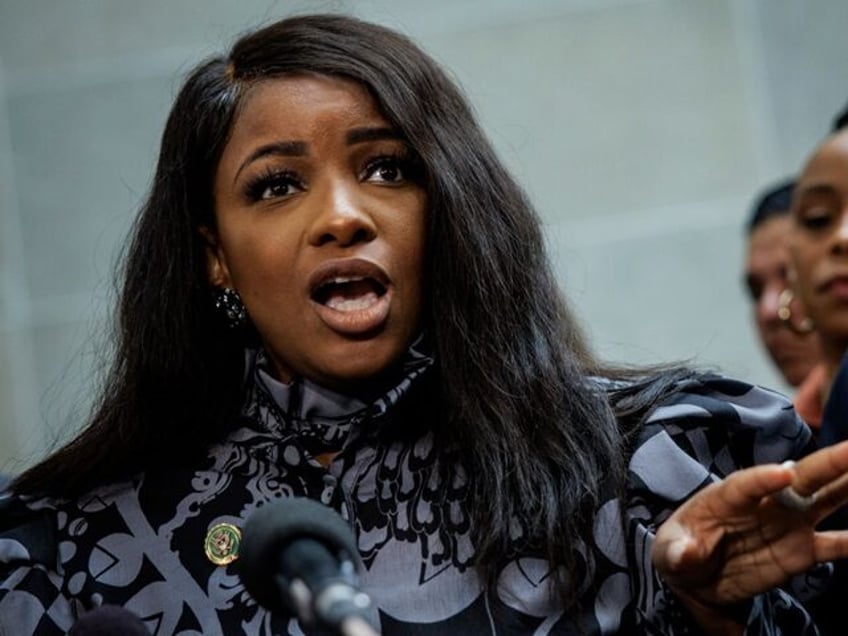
352,304
341,280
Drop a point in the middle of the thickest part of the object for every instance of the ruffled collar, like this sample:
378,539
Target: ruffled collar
324,420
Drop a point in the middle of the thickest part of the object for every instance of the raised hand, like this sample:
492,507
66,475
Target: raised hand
742,536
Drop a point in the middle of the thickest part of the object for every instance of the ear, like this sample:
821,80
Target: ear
216,261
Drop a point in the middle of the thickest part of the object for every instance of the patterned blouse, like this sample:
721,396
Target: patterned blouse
140,544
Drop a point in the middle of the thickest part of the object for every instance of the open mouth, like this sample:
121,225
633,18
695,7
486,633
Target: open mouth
352,296
349,293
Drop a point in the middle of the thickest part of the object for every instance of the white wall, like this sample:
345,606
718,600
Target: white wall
641,128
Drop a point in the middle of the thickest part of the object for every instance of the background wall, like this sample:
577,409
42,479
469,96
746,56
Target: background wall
641,128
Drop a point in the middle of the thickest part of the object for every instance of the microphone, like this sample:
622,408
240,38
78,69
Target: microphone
298,557
109,620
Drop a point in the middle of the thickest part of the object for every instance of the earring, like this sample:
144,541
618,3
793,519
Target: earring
784,312
228,301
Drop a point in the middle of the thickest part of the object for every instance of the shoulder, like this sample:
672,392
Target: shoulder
27,531
708,427
690,403
31,529
713,396
31,588
730,408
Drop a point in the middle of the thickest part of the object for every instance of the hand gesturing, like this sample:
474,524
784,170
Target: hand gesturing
740,537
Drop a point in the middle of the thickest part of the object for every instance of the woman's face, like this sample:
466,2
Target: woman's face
321,229
766,275
818,242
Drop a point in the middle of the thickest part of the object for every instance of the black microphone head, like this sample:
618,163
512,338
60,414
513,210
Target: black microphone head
109,620
275,526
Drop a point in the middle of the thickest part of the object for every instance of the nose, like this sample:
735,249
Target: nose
342,218
840,243
768,304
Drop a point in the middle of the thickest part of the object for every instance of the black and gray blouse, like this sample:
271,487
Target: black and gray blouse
141,544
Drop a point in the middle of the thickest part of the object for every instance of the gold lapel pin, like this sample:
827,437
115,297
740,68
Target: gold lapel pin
222,543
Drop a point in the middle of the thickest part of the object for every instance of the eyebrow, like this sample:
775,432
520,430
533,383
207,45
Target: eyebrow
817,188
301,148
376,133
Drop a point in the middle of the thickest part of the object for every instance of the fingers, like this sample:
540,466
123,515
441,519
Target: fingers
674,545
689,537
833,495
739,534
821,468
824,473
744,489
677,556
831,545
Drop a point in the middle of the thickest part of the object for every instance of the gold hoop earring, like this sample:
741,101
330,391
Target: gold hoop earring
784,312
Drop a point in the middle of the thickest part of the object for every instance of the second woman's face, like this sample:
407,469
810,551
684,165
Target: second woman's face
818,242
321,223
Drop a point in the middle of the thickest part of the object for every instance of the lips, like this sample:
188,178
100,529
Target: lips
351,296
836,286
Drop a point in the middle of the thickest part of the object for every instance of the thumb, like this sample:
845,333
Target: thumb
675,551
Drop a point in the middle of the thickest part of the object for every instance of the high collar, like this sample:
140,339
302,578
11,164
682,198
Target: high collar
322,418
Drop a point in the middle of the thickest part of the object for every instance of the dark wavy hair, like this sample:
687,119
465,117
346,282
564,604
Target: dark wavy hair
772,202
539,440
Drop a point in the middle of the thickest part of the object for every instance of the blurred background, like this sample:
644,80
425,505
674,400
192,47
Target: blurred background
642,130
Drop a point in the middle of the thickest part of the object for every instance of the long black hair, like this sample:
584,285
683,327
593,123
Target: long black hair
539,439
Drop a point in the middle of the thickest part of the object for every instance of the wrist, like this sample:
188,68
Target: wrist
714,619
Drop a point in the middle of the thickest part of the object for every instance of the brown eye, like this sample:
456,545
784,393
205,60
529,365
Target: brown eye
816,218
389,173
279,189
384,170
275,185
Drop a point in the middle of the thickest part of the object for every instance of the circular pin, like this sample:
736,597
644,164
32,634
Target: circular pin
222,543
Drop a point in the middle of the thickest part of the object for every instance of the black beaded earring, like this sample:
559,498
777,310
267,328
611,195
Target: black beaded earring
228,301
